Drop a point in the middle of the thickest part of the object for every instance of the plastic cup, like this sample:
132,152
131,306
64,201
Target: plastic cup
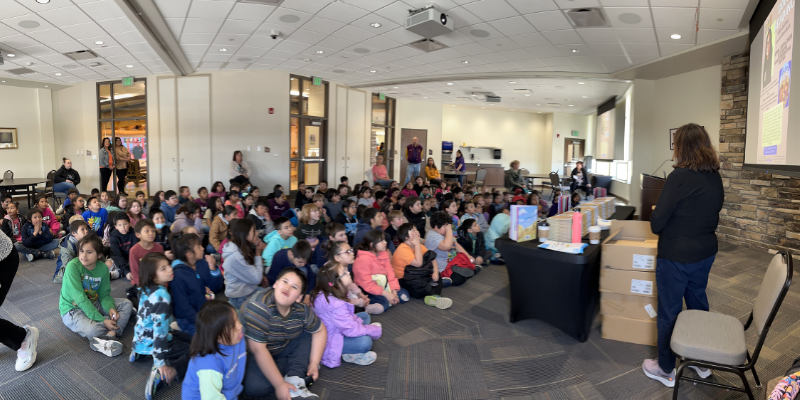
594,234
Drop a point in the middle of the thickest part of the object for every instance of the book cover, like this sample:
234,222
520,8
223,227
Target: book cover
523,223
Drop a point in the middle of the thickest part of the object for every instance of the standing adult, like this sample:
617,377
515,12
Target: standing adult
513,180
66,178
239,170
414,157
685,218
123,156
459,166
379,174
580,179
106,163
22,340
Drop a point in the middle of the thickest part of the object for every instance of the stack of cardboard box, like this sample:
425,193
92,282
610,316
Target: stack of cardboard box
628,283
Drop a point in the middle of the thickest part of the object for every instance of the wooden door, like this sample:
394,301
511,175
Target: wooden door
406,136
573,152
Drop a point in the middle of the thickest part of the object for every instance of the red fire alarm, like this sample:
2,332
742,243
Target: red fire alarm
558,135
271,110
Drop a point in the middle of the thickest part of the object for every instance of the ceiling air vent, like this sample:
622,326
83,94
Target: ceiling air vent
265,2
427,45
556,105
522,91
587,18
20,71
493,99
81,55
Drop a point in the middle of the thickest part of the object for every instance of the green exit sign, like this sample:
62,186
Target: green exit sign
316,81
574,133
127,81
381,96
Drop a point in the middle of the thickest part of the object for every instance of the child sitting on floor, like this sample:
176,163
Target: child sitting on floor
194,274
244,270
68,247
96,216
281,238
123,238
162,230
37,239
373,272
86,305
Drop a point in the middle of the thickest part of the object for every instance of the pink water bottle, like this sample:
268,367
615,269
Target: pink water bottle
577,227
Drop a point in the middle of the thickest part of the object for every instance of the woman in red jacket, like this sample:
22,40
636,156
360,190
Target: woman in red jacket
374,273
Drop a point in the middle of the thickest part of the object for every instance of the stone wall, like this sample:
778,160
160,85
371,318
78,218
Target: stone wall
760,210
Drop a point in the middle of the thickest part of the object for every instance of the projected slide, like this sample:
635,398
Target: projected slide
605,135
776,78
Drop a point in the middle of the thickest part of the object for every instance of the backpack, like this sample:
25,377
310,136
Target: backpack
417,280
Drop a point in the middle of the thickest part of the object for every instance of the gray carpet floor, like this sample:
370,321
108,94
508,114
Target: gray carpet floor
468,352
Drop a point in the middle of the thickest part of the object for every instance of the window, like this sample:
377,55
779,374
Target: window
383,130
621,173
308,130
602,168
122,112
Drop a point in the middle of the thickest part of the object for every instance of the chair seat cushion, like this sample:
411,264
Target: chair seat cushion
709,336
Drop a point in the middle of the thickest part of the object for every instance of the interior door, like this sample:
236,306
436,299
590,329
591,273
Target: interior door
406,137
340,158
194,130
357,139
168,125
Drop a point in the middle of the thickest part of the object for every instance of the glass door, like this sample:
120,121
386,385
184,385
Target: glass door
308,132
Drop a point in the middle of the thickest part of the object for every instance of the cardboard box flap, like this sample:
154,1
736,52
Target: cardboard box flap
633,230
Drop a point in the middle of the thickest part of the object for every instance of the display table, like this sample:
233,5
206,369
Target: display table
558,288
26,186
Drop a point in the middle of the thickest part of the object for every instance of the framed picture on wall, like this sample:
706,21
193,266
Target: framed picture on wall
8,138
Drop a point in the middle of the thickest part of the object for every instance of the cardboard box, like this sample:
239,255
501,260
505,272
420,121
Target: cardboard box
523,223
630,246
637,283
630,330
628,306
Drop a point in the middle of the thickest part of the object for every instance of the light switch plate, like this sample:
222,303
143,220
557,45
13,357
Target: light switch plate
94,157
248,148
258,148
276,155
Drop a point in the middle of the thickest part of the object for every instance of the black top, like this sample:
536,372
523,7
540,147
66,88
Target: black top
687,214
63,174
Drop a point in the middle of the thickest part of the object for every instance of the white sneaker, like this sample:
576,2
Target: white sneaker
26,355
29,257
703,372
107,345
302,391
378,324
114,273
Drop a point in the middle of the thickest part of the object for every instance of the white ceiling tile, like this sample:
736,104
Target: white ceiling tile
138,47
641,49
209,9
117,25
556,61
309,6
267,27
173,8
322,25
217,57
454,38
499,44
383,57
669,48
568,36
19,41
229,39
366,22
380,43
636,35
211,65
195,57
175,25
122,60
478,32
197,38
396,12
14,23
574,50
490,10
528,6
567,4
39,50
740,4
530,40
241,27
307,37
50,35
710,18
440,4
370,5
673,17
106,39
65,16
236,65
687,35
261,42
86,30
353,34
130,37
709,35
515,55
597,35
472,49
112,51
674,3
544,52
488,58
462,17
513,26
291,47
644,20
194,48
607,49
10,9
614,63
549,21
101,10
56,59
341,12
154,64
202,25
146,56
625,3
251,12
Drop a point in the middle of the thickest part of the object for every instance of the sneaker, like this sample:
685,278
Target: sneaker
465,272
478,269
653,371
29,257
497,261
152,383
361,358
447,282
378,324
439,302
106,345
26,355
134,356
114,273
302,391
59,276
374,308
49,255
703,372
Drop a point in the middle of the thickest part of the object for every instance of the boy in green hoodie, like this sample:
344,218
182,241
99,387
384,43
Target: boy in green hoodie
281,238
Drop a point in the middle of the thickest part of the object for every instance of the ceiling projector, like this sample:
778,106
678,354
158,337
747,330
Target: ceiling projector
429,23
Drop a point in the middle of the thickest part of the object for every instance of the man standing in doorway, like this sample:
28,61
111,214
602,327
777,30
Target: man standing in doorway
414,157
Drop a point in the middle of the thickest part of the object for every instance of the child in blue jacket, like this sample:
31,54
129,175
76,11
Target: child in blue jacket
37,240
188,289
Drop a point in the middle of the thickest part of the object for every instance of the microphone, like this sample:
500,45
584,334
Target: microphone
659,167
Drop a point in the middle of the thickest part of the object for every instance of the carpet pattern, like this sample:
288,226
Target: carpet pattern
468,352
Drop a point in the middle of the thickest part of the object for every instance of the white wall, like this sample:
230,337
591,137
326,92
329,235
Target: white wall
30,112
411,114
520,135
563,125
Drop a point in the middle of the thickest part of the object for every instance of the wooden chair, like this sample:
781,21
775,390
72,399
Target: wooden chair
135,173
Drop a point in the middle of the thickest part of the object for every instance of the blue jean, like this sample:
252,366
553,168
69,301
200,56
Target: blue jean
236,302
291,361
77,321
383,182
210,249
412,171
63,187
36,252
186,325
461,180
384,302
677,282
358,344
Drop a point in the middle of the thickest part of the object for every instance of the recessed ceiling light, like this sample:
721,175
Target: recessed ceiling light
46,86
449,83
129,66
538,104
98,42
373,71
4,81
575,51
581,83
512,82
223,49
571,105
540,112
675,36
465,62
527,95
453,105
395,87
375,25
425,97
11,55
58,74
483,107
320,52
585,97
42,1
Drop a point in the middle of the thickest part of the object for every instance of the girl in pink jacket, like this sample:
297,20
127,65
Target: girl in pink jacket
349,335
48,217
373,272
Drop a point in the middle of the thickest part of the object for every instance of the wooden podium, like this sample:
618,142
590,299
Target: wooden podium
651,191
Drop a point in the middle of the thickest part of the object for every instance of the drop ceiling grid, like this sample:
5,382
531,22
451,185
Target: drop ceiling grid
66,26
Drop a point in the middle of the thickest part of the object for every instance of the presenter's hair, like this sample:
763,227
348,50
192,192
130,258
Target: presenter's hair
693,149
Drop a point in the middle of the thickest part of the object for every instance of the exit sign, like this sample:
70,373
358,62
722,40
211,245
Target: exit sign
574,133
381,96
316,81
127,81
